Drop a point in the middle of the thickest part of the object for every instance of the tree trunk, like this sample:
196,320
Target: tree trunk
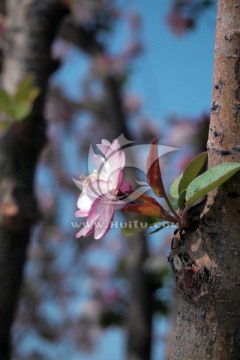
205,258
32,25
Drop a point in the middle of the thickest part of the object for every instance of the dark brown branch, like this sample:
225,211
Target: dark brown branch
3,7
96,107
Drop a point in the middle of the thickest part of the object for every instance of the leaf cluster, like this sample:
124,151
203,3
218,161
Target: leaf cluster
187,190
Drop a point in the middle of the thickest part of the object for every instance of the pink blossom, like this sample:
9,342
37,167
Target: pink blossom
179,24
103,191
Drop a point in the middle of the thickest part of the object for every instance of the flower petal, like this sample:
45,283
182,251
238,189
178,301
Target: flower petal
84,202
104,146
119,204
100,195
104,222
115,156
98,161
96,210
85,231
78,183
115,179
82,213
97,188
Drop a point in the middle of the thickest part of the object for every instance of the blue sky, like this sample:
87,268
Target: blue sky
174,75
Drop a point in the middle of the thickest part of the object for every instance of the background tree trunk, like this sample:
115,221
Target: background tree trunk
31,29
140,311
205,259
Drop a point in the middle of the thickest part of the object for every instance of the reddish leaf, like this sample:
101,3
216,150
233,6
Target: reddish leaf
145,209
154,176
148,200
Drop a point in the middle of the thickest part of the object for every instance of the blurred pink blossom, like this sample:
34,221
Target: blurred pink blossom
178,23
135,21
132,103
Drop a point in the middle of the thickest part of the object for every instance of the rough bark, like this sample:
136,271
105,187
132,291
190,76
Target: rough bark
205,258
31,29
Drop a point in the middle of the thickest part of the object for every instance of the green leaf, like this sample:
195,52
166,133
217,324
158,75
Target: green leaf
174,203
19,106
22,110
182,200
25,95
191,171
26,90
7,103
188,175
159,228
174,187
209,180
